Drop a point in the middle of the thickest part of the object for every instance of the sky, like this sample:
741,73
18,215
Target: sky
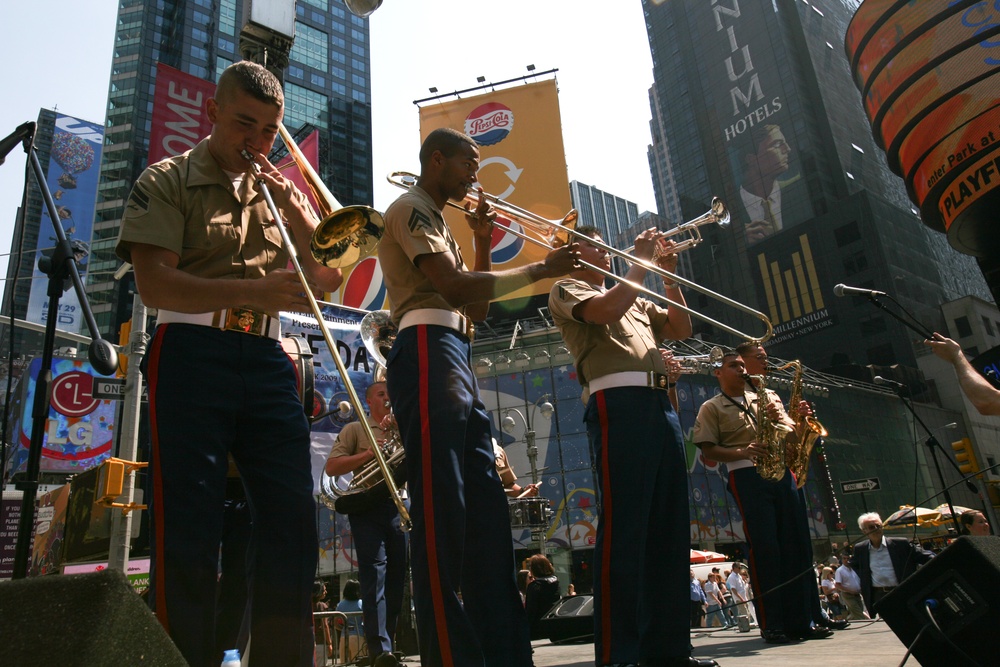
57,54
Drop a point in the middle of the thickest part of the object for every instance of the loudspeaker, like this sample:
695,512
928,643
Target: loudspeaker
570,620
961,584
81,619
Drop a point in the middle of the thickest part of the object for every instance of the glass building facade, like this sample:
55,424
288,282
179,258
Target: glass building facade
753,102
327,87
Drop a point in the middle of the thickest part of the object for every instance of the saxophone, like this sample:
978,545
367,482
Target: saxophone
799,450
770,466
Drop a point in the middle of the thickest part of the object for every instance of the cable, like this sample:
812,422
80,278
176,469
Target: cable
928,609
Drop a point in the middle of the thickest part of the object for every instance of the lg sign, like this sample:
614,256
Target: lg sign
71,394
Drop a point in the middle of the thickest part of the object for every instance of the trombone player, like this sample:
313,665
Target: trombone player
461,523
634,433
379,541
208,255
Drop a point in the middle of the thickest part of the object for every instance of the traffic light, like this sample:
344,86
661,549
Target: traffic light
124,334
965,457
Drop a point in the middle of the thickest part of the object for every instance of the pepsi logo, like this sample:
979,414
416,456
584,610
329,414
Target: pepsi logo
489,123
505,246
364,288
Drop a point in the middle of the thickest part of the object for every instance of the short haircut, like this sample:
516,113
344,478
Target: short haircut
352,590
371,390
251,78
447,141
540,566
759,134
749,346
868,516
587,230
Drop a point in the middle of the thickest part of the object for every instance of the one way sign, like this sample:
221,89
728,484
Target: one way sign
861,485
114,389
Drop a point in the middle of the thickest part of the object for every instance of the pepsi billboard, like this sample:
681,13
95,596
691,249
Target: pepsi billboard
929,76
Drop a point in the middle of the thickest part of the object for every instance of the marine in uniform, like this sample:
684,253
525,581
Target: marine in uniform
207,256
461,539
635,437
379,542
773,518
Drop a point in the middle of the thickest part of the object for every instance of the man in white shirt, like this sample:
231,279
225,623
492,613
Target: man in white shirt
848,584
738,588
883,562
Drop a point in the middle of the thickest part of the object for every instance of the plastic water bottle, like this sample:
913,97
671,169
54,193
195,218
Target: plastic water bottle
231,658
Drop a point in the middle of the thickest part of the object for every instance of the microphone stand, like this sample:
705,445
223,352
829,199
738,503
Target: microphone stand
62,270
910,325
931,443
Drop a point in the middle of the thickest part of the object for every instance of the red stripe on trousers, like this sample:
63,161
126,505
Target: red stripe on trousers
437,596
161,577
606,523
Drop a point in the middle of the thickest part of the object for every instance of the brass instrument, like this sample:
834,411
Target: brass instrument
717,214
696,363
333,212
771,435
799,450
368,484
346,234
554,233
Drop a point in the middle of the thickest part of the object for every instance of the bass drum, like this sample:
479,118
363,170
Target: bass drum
301,357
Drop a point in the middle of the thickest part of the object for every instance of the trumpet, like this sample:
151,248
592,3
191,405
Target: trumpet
692,364
334,214
554,233
717,214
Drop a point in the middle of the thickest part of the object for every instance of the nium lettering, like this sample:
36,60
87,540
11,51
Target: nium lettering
753,94
718,11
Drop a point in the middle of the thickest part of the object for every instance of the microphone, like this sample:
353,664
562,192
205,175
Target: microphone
7,144
843,290
878,379
345,409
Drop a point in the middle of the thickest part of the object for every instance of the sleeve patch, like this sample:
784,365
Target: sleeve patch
138,201
418,221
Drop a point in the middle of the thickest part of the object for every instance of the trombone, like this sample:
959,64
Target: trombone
349,230
557,232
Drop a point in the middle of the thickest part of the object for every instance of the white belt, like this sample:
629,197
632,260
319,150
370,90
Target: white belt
243,320
438,317
630,379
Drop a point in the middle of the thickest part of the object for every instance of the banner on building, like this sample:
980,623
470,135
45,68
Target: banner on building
180,119
522,160
74,168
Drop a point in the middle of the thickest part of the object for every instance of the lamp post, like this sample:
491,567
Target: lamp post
508,424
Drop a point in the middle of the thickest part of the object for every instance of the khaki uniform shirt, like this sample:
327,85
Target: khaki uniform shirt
352,440
414,226
600,349
719,422
507,475
187,205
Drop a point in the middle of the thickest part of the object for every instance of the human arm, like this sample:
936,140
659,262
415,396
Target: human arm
673,375
347,455
162,285
977,389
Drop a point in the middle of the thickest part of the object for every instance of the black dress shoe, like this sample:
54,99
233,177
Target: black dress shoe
386,660
775,637
691,662
811,633
834,625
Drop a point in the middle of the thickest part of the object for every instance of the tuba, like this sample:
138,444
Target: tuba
799,449
367,486
770,466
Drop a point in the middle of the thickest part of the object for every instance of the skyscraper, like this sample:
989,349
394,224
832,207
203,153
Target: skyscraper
327,86
753,102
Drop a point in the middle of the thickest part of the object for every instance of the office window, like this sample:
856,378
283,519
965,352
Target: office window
988,325
310,47
962,326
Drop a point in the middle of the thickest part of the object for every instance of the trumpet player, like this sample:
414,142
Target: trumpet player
642,534
379,541
208,255
461,523
730,429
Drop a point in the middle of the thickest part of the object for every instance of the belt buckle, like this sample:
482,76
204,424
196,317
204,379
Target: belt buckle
658,380
245,320
470,328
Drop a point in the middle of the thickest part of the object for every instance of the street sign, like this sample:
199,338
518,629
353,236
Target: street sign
860,485
114,389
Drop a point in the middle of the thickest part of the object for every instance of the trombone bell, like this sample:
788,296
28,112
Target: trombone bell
345,234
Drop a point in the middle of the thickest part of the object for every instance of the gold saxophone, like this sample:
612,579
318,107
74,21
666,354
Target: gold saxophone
799,450
770,434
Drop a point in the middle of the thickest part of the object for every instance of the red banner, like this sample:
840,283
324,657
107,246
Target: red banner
179,117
